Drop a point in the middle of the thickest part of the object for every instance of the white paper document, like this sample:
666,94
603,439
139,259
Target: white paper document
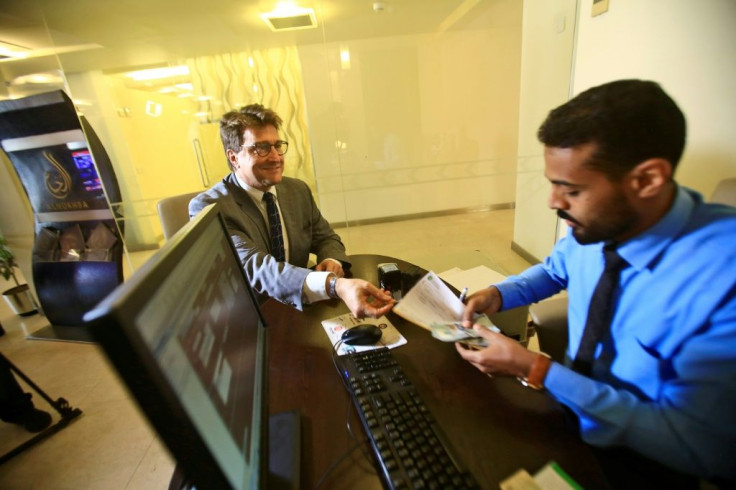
430,301
474,279
431,304
335,327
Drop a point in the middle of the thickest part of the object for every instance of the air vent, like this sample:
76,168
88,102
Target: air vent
291,19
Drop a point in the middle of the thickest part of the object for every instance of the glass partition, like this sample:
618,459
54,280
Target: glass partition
392,109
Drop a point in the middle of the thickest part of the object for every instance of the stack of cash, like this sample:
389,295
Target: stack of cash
455,332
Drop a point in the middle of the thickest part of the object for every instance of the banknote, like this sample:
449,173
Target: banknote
451,332
455,332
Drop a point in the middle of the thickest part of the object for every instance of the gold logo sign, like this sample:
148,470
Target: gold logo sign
58,180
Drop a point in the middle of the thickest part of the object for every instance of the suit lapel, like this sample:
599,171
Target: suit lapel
249,208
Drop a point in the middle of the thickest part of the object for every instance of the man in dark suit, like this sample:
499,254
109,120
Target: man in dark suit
274,244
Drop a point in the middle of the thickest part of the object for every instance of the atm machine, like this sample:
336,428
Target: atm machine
70,182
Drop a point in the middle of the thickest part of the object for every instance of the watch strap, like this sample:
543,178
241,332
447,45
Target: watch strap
538,372
331,292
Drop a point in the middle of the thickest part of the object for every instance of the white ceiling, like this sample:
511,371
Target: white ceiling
123,34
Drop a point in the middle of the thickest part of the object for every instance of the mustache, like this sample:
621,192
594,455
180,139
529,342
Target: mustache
562,214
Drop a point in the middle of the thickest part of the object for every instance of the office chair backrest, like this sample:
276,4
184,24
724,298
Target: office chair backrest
725,192
174,212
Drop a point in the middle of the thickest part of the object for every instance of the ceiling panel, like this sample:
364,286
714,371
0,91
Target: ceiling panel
124,34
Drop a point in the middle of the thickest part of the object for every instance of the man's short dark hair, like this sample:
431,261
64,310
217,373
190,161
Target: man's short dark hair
234,123
629,121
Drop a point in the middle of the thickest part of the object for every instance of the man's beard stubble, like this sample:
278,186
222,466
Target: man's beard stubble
615,221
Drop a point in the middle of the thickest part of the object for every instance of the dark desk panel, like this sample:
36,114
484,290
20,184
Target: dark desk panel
495,425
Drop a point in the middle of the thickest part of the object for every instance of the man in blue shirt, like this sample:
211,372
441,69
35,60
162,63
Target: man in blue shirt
663,378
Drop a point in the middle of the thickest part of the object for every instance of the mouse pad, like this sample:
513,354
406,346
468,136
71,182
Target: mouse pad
334,328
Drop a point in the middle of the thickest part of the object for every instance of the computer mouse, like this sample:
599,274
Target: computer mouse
365,334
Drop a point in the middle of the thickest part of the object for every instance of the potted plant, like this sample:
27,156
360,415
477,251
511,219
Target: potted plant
18,297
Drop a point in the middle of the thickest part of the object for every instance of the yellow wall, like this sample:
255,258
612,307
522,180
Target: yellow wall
688,48
548,41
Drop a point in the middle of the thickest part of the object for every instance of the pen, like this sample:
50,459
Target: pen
463,294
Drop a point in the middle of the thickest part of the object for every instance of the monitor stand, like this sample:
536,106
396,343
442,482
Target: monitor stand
284,451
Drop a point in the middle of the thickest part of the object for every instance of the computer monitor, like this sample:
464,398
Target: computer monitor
186,335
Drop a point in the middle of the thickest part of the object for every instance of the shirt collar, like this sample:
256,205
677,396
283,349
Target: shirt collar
644,248
255,194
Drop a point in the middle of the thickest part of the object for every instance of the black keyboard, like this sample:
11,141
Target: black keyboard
409,447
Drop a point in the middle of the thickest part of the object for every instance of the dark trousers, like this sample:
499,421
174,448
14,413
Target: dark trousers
13,400
626,469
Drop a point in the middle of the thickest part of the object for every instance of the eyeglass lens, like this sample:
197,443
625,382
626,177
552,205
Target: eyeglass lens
263,148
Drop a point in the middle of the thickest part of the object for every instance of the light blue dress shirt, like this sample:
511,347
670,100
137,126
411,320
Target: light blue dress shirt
664,383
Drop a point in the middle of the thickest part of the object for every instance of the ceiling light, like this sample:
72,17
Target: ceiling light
158,73
287,16
345,58
10,50
48,78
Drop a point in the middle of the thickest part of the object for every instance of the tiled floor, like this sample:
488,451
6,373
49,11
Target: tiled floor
111,445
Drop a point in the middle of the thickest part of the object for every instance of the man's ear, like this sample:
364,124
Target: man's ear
232,159
650,177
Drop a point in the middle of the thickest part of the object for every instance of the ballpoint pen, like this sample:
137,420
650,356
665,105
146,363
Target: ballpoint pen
463,294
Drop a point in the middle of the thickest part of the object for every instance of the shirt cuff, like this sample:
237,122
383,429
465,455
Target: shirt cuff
509,295
568,386
314,286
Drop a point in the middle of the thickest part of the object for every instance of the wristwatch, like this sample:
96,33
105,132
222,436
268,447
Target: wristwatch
538,371
331,286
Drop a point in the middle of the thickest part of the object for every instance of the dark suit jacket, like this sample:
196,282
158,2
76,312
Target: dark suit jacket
306,229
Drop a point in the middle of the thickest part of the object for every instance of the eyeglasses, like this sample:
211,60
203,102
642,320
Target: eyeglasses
263,148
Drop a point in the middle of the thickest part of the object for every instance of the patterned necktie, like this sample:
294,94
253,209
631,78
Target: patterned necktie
600,311
274,222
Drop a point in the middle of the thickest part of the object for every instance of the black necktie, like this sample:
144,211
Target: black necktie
600,311
274,222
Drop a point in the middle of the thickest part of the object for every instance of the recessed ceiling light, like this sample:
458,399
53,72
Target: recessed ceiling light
46,78
10,50
158,73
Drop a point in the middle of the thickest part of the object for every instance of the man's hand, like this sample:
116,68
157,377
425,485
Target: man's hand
486,301
363,298
330,265
503,355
